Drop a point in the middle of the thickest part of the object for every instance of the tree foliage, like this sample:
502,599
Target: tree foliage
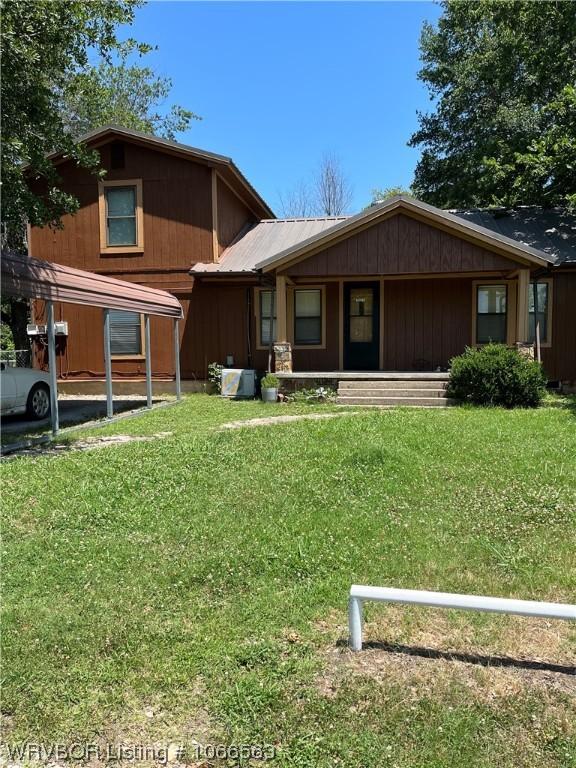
503,128
123,94
51,91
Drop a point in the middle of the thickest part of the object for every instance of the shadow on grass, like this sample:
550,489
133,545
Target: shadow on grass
467,658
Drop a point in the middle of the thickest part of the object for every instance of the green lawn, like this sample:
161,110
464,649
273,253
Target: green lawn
194,587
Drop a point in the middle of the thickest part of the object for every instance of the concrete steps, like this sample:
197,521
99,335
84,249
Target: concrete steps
386,393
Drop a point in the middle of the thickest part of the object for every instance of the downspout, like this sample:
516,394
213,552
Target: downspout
248,322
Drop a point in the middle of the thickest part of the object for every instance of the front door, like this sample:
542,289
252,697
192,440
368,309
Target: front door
361,326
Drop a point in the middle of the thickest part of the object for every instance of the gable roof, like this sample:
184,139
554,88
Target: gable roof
402,203
225,165
531,234
264,238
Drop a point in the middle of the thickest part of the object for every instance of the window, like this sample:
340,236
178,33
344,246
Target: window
267,312
361,312
125,333
308,316
491,317
538,299
121,218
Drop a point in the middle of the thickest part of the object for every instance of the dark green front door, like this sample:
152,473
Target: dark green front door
361,326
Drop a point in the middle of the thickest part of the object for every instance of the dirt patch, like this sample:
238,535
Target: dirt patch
87,444
270,420
428,652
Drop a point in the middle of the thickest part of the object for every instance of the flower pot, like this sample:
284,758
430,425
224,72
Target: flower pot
269,395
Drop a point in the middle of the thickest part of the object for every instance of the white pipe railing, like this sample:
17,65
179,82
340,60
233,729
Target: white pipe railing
359,593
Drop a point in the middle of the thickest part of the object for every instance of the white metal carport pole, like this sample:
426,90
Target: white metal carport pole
148,361
108,366
177,360
52,367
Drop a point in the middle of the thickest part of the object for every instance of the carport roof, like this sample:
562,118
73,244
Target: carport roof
35,279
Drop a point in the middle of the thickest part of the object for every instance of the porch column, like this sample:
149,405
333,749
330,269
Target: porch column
282,347
522,305
281,306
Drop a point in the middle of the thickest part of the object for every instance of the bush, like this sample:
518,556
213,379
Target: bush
312,396
497,375
270,381
215,376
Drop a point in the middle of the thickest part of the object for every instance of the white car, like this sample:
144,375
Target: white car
24,390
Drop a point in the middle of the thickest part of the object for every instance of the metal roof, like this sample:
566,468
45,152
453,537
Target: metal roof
199,154
404,202
542,237
551,231
35,279
267,237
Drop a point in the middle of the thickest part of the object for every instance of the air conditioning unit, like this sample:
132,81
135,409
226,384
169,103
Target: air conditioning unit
238,382
36,330
61,328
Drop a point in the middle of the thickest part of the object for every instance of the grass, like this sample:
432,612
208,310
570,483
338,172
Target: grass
194,586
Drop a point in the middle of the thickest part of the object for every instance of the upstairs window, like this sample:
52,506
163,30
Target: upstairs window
308,317
125,333
121,218
491,314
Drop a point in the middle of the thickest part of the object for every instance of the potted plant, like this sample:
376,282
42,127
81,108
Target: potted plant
269,386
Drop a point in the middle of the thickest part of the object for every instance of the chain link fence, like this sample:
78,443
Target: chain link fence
16,358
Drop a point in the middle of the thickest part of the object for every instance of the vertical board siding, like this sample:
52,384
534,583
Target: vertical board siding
177,215
233,215
400,245
560,359
426,322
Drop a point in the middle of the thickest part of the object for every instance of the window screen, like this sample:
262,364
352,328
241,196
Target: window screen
491,314
121,215
267,311
540,301
125,333
308,316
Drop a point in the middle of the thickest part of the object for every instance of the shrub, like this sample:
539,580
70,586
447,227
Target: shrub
497,375
215,376
312,396
270,381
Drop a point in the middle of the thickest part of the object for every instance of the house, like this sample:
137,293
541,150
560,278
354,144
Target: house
402,286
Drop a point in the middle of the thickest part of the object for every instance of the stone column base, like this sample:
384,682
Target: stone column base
283,357
526,349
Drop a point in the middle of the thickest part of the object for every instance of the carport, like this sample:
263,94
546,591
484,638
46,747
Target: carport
34,279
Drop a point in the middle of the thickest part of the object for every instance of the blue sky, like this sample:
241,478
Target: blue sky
278,84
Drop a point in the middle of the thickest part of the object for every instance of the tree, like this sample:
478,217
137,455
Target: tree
380,195
123,94
333,190
502,131
329,193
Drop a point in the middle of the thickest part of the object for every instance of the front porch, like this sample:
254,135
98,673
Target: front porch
394,327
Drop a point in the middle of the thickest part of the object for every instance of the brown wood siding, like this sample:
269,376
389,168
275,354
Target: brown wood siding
177,215
400,245
82,354
233,215
426,322
560,359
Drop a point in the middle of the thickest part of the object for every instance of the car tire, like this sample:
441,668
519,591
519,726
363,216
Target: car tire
38,403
